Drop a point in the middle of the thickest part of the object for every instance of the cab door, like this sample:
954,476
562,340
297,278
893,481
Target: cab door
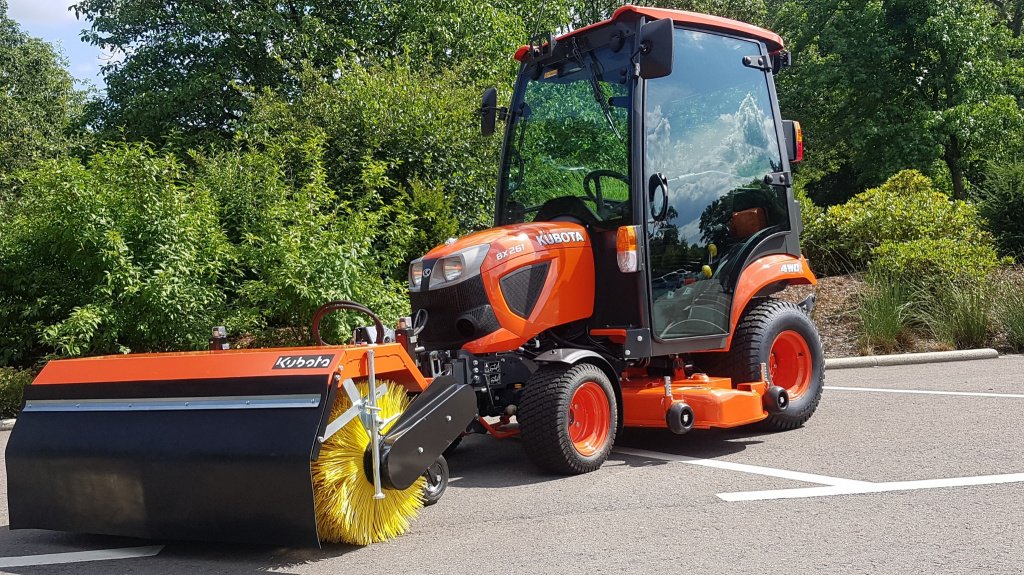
710,138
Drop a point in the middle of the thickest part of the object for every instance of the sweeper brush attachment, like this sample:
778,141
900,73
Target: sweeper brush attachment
253,446
346,510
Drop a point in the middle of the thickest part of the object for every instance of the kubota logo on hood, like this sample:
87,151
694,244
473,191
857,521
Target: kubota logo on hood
559,238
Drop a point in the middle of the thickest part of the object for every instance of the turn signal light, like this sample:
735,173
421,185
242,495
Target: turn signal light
626,251
799,142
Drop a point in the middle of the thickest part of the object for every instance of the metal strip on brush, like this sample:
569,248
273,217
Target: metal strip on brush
176,403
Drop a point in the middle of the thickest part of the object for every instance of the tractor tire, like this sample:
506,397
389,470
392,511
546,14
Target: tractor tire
781,335
568,418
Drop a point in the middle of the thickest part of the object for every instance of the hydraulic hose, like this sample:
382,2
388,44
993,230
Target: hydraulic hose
344,305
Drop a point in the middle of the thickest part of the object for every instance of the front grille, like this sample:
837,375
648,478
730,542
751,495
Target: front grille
450,312
522,287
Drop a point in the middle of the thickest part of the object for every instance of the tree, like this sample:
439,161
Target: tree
1011,12
184,61
893,84
38,101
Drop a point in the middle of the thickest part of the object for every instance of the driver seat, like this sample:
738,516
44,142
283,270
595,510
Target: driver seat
567,209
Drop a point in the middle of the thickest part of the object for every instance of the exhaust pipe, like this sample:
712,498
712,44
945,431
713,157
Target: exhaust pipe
680,417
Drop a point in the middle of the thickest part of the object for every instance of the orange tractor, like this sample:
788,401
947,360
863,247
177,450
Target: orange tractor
644,217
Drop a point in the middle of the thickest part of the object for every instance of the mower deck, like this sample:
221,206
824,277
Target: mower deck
645,402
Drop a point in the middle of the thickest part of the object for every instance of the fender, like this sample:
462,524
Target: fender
762,273
571,356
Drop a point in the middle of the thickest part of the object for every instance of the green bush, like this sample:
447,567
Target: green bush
12,390
934,263
904,209
1001,202
293,244
1010,311
132,251
885,311
112,256
960,314
387,126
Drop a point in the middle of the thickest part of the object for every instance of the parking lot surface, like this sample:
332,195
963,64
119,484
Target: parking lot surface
911,469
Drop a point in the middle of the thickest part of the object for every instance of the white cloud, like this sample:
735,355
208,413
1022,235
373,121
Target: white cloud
41,12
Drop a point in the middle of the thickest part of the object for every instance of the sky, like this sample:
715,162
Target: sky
52,21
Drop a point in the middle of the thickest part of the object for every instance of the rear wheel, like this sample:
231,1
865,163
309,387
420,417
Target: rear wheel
780,335
568,418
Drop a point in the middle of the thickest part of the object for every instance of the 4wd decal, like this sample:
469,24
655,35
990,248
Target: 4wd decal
791,268
303,361
559,238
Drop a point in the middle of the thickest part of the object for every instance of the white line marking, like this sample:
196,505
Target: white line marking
743,468
871,487
926,392
80,556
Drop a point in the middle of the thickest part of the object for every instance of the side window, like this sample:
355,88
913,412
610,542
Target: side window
710,131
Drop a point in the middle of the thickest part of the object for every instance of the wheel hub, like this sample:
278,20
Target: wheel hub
589,418
790,364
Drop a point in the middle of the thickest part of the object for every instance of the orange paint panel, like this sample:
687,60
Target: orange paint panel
762,273
392,362
772,40
568,291
714,402
616,335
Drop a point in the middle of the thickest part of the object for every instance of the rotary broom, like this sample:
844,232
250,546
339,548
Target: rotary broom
346,509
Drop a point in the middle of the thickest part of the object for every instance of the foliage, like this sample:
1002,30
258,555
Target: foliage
1010,311
904,209
183,61
886,311
12,390
960,314
935,262
109,257
293,245
1000,202
385,129
37,98
134,252
884,85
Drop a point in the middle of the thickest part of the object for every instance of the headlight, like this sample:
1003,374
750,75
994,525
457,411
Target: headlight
452,268
416,274
449,270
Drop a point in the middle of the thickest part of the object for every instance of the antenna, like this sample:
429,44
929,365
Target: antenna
536,21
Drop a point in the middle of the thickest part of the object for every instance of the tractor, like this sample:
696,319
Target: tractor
644,218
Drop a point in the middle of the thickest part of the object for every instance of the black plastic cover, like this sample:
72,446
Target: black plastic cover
434,419
237,475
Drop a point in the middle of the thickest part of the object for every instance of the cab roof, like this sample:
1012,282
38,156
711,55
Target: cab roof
772,40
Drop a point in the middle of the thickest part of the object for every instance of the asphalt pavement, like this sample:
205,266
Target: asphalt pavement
885,478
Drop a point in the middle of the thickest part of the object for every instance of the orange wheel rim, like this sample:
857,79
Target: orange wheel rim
790,363
589,418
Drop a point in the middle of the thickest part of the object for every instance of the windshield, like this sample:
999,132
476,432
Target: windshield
568,147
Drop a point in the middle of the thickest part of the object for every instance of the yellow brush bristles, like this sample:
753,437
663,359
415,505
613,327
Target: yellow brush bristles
346,511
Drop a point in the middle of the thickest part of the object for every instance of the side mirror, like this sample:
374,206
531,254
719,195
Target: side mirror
658,201
488,111
656,42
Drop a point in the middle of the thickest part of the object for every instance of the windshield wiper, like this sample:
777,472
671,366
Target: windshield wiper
595,85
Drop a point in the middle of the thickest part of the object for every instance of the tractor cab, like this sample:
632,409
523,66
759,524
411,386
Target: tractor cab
664,122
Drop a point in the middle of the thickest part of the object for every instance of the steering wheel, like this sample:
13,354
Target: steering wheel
595,194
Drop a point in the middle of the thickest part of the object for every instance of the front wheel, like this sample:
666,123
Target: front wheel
568,417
